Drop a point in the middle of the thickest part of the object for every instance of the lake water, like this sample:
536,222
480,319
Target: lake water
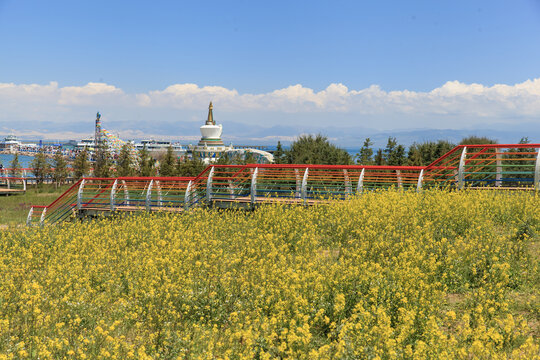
5,159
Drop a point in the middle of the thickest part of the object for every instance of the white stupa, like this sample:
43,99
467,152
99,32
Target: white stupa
210,148
211,133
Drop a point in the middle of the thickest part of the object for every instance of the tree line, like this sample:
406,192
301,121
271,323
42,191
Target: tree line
42,169
307,149
140,163
317,149
127,163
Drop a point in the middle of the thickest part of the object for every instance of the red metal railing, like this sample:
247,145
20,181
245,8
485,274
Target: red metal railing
493,165
508,166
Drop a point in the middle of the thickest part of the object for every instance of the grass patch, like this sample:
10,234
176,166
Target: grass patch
14,208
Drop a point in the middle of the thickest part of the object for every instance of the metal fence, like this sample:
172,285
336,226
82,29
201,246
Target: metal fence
510,166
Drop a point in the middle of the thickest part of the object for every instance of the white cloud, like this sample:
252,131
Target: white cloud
89,94
452,105
26,92
190,96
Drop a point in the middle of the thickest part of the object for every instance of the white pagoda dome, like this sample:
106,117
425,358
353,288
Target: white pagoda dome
210,132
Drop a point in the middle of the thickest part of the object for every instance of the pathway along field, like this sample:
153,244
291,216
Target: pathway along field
391,274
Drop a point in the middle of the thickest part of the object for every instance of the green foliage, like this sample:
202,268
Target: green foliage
60,172
379,158
236,159
167,165
394,154
81,165
425,153
224,160
41,167
309,149
15,166
279,154
190,167
103,161
365,155
125,164
248,158
473,140
146,163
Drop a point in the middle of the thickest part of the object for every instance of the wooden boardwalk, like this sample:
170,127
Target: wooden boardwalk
6,191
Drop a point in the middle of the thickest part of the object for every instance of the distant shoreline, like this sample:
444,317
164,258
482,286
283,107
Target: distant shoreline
26,153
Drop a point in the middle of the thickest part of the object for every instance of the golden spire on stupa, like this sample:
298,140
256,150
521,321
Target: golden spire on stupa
210,120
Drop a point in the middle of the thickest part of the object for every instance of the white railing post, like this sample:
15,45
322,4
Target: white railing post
79,195
126,192
113,194
209,185
348,189
29,217
187,196
298,183
42,218
420,181
149,196
6,175
360,186
160,199
24,184
498,175
304,186
537,172
231,189
399,179
253,190
461,169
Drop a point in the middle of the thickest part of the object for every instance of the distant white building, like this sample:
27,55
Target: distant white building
10,144
161,145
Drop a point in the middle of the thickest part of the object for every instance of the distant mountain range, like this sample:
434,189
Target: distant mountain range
240,133
354,137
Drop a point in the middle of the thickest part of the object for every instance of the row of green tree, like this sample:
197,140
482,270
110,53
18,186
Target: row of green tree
140,163
128,163
310,149
57,170
307,149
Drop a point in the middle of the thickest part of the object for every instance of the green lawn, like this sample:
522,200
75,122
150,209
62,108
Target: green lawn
14,208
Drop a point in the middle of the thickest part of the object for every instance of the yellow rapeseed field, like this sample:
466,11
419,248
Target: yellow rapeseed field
386,275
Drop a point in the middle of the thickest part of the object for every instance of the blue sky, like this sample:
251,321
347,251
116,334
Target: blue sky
239,53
